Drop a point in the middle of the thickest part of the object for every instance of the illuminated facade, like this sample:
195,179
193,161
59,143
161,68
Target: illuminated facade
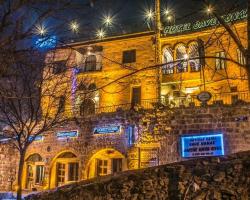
109,137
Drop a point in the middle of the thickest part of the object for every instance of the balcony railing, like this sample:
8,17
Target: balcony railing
175,102
145,103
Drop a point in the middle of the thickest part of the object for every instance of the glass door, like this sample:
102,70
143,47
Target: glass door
73,169
60,171
30,177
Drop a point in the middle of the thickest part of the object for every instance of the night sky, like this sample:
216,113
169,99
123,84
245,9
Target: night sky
128,15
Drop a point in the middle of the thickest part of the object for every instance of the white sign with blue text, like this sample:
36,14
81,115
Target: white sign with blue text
202,145
67,134
107,129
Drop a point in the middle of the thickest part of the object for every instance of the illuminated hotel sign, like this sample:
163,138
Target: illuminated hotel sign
107,129
67,134
180,28
202,145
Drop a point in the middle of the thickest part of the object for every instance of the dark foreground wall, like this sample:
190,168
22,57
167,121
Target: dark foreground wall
210,178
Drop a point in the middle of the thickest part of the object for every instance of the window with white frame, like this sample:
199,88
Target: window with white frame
193,53
220,62
168,58
181,55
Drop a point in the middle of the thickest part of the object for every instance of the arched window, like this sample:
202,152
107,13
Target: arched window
167,58
34,158
193,53
87,107
65,169
67,155
181,55
34,171
90,63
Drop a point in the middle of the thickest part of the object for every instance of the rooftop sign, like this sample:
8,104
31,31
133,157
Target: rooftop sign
202,145
189,27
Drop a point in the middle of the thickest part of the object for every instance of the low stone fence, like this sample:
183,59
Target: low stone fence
205,178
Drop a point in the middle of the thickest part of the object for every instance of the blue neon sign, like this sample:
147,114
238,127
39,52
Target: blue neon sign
67,134
202,145
107,129
47,42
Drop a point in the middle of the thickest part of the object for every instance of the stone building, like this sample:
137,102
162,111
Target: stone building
126,124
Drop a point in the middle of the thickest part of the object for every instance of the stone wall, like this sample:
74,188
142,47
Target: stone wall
8,169
210,178
157,142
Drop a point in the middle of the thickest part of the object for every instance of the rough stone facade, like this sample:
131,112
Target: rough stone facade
210,178
157,139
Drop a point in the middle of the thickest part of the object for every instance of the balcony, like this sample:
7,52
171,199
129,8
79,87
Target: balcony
175,102
145,104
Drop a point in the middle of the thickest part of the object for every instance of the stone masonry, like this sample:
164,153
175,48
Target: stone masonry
211,178
158,129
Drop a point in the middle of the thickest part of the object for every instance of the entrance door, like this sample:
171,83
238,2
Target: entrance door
60,174
30,177
39,174
136,96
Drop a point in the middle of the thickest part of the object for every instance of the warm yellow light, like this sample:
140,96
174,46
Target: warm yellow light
74,26
209,9
149,14
170,97
169,18
108,21
185,56
100,34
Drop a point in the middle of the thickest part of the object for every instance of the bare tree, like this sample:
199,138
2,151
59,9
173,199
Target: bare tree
26,82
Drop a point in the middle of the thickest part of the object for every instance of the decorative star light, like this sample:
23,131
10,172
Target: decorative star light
108,20
74,26
166,12
100,34
149,15
40,30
